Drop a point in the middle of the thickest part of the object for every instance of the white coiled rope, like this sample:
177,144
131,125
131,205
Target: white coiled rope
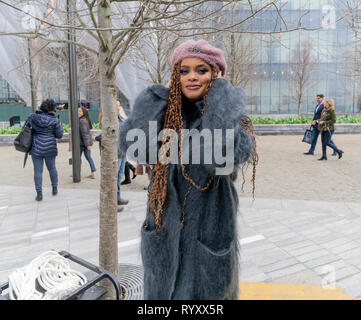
52,272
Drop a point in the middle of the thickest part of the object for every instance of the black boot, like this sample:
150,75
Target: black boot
340,154
323,158
126,182
55,191
39,196
131,167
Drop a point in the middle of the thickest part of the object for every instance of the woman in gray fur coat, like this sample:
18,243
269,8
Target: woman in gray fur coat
189,238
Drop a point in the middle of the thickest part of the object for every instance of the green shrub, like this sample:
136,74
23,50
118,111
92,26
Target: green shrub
16,130
301,120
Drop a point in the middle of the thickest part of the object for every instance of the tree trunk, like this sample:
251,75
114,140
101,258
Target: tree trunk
108,236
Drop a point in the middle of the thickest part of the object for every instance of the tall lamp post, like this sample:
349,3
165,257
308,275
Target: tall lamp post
32,89
73,103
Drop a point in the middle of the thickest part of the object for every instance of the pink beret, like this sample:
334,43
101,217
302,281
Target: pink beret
203,50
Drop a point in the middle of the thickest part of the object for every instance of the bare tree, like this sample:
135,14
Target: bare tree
241,58
302,66
152,55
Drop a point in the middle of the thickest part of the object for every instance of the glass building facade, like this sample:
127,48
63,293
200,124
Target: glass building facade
327,27
7,94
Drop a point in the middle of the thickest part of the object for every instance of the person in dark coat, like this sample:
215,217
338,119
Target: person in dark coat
86,141
128,167
189,238
121,158
46,127
326,125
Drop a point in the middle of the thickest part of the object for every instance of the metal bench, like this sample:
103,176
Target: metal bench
89,291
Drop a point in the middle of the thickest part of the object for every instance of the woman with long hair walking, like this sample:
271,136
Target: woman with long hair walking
326,125
86,142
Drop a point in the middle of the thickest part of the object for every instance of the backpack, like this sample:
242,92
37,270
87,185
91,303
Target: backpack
24,139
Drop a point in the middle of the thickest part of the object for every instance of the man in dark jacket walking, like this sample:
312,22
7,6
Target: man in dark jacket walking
46,128
316,116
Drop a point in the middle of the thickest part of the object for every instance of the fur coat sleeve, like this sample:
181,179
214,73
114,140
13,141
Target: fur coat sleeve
150,105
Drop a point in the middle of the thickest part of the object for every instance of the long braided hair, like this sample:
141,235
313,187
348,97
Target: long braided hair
173,120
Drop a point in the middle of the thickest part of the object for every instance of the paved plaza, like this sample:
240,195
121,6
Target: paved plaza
284,242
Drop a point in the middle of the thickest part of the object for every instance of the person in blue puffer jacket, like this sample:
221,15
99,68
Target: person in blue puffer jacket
46,128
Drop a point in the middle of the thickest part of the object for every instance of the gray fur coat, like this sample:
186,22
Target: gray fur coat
199,261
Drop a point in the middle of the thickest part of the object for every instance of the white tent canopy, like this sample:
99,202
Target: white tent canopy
13,21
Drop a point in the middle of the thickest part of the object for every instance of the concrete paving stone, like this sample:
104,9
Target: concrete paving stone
262,203
350,230
134,259
354,207
260,223
345,247
282,236
84,224
351,259
312,255
9,231
290,241
256,250
336,265
82,237
301,227
294,221
355,236
315,237
314,231
302,277
351,253
303,250
272,231
298,244
4,275
285,271
50,244
44,226
267,257
336,225
279,265
259,277
55,214
14,242
130,250
351,285
325,238
321,261
254,244
346,272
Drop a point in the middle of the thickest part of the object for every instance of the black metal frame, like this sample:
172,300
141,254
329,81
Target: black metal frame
102,274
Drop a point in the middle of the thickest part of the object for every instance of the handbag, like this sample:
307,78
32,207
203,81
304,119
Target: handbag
307,137
24,139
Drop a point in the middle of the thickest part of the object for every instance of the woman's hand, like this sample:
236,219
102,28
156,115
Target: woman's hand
88,147
321,122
